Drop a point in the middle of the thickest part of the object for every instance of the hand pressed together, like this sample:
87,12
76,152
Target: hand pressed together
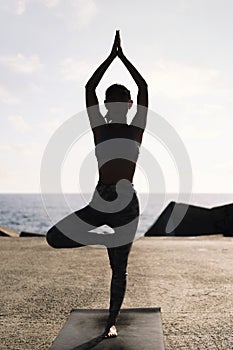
116,48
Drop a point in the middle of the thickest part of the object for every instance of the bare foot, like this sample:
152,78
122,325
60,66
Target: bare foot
110,332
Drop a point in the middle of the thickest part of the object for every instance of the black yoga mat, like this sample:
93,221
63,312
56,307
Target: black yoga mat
139,328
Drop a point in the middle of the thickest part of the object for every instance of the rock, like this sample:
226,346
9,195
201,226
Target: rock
223,219
30,234
196,221
6,232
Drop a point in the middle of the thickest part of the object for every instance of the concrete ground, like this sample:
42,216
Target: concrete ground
191,279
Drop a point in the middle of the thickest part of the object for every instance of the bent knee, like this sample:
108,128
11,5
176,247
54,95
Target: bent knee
52,237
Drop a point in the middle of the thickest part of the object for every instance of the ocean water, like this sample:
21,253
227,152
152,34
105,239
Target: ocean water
28,212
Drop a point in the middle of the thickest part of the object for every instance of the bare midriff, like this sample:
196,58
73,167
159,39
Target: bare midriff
115,170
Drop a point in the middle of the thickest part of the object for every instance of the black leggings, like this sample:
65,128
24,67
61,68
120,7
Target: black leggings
72,232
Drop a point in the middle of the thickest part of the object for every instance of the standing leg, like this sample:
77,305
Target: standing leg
118,258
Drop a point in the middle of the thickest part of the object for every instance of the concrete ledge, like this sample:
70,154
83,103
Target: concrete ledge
7,232
195,221
30,234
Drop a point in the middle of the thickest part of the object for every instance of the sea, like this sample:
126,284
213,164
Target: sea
34,212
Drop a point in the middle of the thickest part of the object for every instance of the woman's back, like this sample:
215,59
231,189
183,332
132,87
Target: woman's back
117,150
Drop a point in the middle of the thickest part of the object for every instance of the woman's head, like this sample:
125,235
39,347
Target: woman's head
117,93
118,101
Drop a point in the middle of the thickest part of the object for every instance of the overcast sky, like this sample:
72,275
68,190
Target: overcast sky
50,48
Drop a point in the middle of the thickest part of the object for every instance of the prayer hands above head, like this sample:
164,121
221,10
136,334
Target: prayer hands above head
116,48
119,48
115,44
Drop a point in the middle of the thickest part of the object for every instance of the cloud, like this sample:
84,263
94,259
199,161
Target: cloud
207,123
5,174
4,147
22,149
77,14
201,133
177,80
22,64
16,147
74,13
17,7
56,110
225,166
85,11
20,7
72,69
57,117
50,125
19,123
7,97
51,3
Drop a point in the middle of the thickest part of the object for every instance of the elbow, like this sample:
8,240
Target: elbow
144,84
89,85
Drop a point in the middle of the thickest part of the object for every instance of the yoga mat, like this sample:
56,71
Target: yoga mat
139,328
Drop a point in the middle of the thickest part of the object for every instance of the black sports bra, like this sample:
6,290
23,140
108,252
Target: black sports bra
114,142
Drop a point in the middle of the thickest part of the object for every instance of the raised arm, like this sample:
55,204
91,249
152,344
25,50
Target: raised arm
142,98
92,103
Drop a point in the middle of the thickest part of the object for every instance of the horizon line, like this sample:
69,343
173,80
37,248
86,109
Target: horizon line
137,192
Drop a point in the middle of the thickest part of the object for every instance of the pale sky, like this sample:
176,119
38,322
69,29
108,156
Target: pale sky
50,48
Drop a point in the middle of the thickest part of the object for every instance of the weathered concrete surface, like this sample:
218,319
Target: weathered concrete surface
190,279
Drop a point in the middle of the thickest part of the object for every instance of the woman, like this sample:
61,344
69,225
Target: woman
115,200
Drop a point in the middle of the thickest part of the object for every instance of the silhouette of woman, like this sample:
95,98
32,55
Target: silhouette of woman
114,201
